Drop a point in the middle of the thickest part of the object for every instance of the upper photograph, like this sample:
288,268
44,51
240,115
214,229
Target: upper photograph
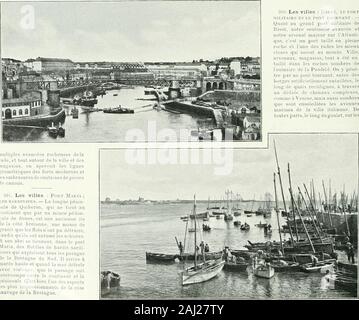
138,71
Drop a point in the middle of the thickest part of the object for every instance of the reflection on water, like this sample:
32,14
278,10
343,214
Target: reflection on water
128,231
101,127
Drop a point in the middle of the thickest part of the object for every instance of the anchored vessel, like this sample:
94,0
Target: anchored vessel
119,110
203,271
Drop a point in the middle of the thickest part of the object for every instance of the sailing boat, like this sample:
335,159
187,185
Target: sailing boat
228,215
249,212
200,272
236,210
267,210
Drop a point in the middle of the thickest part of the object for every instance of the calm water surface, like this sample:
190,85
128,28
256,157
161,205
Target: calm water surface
102,127
128,231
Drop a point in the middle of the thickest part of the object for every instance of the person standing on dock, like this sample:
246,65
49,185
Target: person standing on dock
202,247
206,248
350,252
180,247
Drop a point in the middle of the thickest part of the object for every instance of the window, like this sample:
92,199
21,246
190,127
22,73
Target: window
2,113
26,111
14,113
20,112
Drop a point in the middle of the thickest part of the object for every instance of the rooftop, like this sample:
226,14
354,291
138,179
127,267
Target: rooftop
42,59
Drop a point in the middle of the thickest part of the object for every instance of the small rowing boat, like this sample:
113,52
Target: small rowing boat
263,271
321,267
235,266
161,257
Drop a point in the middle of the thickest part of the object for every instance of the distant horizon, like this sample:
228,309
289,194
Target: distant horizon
134,61
314,157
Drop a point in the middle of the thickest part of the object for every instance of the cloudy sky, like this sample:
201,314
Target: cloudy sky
132,31
317,157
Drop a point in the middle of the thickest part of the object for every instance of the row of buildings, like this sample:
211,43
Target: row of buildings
232,68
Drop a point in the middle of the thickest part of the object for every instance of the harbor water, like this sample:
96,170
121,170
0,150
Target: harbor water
128,231
104,127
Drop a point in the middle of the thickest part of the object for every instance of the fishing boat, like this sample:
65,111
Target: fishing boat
53,131
348,267
219,212
267,214
200,272
75,113
263,270
346,281
245,227
284,213
206,227
61,131
200,215
118,110
109,280
285,266
160,257
321,267
237,223
184,218
235,266
261,225
228,217
214,255
88,99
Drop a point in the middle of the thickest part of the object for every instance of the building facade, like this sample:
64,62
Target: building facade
177,71
41,64
28,105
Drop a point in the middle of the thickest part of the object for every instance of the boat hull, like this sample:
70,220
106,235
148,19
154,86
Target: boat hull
202,275
238,267
160,257
119,112
262,271
322,268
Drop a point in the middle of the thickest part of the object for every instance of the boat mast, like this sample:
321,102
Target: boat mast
292,202
330,196
314,199
345,216
301,219
326,204
195,232
281,187
321,209
310,202
311,216
276,210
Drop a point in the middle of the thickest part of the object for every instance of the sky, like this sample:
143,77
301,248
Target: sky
131,31
311,156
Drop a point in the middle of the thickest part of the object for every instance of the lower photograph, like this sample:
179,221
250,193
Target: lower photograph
273,223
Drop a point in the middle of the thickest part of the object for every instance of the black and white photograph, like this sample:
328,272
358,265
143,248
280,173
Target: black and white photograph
131,71
272,223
